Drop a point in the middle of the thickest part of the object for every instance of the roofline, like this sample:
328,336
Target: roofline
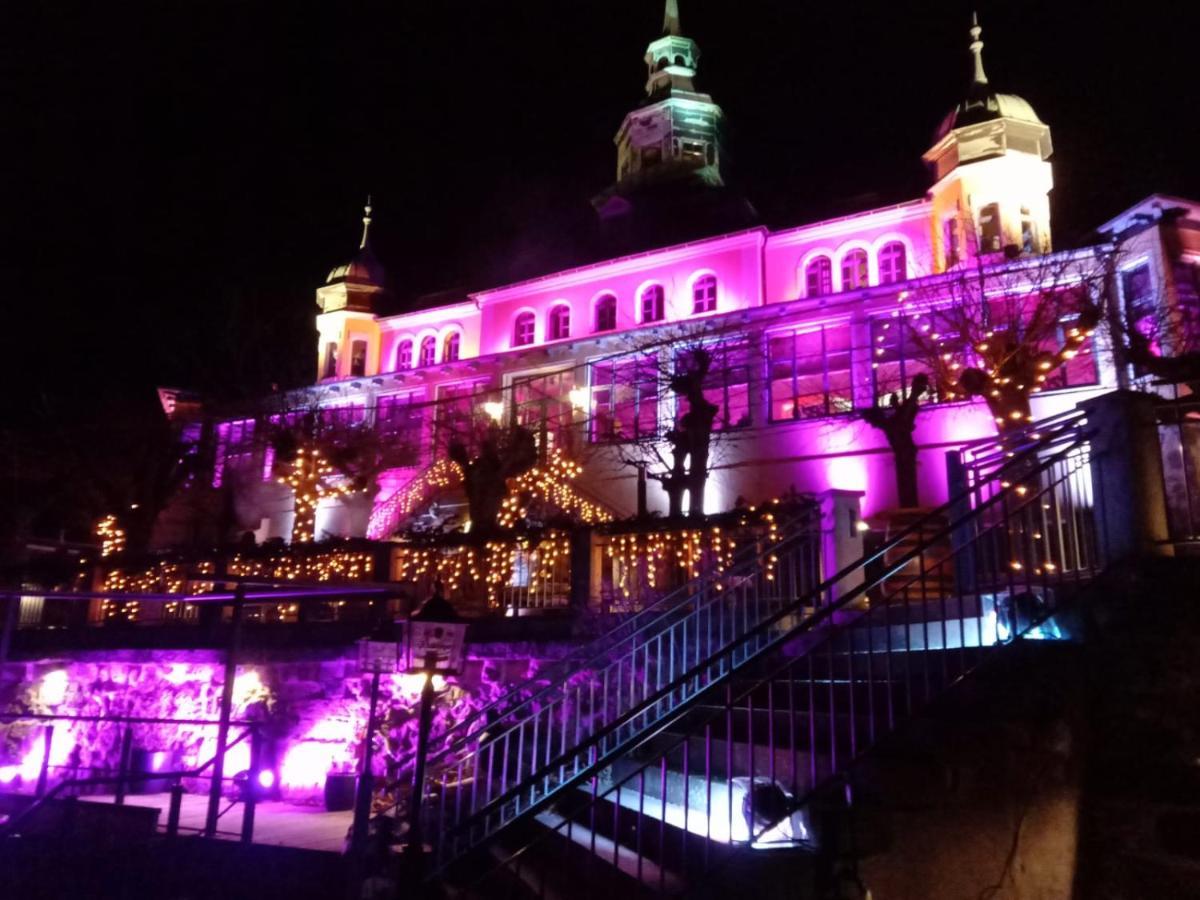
785,234
1111,223
732,237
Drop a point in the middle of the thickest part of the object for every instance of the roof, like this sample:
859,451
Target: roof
984,106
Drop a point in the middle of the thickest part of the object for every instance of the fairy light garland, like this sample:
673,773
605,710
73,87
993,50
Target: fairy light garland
111,534
311,481
550,483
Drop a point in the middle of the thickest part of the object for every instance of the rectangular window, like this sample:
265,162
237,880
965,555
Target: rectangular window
543,403
1078,370
1029,242
810,373
989,228
904,346
331,360
456,406
624,400
950,246
400,420
358,358
1141,311
727,385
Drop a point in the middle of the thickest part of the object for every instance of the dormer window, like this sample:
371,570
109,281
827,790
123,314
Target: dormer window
653,305
606,313
892,263
404,356
854,270
559,322
704,294
818,277
523,330
428,355
358,358
451,346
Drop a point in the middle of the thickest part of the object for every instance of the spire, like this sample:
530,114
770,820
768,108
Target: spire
977,49
366,224
671,18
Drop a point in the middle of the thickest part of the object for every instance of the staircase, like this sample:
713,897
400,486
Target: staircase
722,722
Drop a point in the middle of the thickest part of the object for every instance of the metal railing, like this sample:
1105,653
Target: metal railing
494,776
737,764
126,778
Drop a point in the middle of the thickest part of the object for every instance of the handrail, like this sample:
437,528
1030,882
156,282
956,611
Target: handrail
599,737
10,827
587,654
823,614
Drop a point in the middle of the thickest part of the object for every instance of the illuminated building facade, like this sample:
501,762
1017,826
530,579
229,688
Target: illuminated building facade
803,318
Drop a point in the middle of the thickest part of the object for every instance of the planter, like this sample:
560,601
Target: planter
339,791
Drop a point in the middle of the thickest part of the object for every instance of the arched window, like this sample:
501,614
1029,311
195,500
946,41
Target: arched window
653,306
450,347
523,330
404,360
559,322
854,270
818,277
606,313
892,263
428,355
704,294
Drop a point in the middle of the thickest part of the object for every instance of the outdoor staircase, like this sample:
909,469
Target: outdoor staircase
723,720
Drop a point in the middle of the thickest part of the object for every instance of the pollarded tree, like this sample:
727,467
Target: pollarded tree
1006,330
671,404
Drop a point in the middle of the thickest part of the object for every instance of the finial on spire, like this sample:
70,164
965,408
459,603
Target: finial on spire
671,18
366,223
977,49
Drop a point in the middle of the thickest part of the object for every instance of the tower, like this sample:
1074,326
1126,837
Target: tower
676,133
348,335
992,175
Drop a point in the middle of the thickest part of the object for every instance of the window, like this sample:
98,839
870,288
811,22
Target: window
1141,310
653,306
818,277
1079,369
358,358
560,322
331,354
428,354
854,270
399,419
892,263
523,330
543,403
810,373
457,405
404,355
1029,241
624,400
450,348
950,244
606,313
989,228
704,294
694,152
727,384
902,346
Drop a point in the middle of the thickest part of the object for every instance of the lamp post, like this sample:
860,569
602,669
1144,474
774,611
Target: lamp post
374,656
432,645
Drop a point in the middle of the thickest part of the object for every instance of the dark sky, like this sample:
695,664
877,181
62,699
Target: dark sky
181,176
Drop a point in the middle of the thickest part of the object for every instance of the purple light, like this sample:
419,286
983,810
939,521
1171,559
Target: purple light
8,774
266,779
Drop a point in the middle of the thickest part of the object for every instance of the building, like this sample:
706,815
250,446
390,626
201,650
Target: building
803,318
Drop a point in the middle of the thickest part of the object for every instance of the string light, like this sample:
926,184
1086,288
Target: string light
311,482
112,536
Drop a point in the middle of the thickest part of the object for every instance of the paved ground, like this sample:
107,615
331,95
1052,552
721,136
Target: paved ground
275,822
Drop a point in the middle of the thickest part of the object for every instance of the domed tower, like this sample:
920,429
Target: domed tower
990,161
348,335
676,133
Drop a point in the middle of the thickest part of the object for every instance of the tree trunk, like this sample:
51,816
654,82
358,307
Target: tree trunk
904,457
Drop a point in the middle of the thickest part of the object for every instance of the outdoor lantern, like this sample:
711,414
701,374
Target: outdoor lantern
377,657
433,639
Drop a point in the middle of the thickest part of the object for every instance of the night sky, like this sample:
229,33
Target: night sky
182,176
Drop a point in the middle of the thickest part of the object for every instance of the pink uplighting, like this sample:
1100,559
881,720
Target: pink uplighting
266,779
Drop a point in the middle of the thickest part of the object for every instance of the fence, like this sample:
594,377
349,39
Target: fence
1178,420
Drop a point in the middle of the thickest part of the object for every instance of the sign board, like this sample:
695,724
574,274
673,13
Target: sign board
379,656
434,646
